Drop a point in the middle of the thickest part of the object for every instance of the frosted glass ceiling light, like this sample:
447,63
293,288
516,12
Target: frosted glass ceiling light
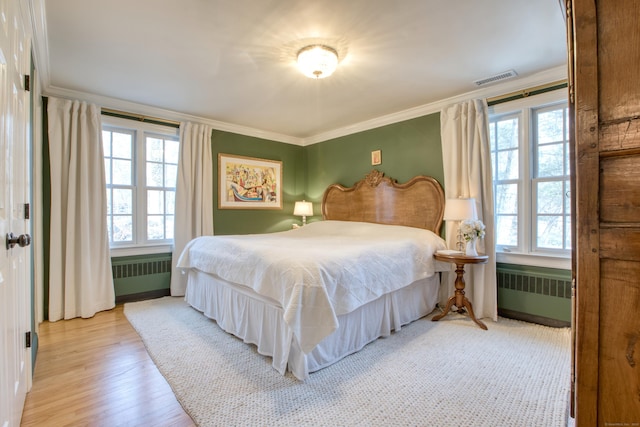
317,61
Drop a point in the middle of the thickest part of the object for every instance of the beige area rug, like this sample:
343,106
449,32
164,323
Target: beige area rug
446,373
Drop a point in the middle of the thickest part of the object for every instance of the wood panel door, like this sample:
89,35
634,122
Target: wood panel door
605,68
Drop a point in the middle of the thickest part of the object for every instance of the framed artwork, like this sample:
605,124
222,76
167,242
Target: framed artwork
249,183
376,157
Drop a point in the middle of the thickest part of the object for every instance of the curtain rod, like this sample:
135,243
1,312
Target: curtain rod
527,92
139,117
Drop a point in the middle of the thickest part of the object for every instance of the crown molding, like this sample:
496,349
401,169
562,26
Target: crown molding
145,110
37,12
543,77
553,74
550,75
40,46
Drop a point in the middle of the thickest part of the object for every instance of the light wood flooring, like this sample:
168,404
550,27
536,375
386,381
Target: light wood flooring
97,372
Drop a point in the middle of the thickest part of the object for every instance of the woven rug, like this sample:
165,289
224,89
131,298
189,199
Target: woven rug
446,373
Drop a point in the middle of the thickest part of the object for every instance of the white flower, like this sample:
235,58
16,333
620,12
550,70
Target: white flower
472,229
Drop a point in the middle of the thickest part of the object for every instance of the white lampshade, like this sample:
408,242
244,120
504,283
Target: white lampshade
460,209
317,61
303,209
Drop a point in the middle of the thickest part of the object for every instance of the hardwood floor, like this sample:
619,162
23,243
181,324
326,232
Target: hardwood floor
96,372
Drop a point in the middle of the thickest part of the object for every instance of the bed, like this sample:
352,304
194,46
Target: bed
310,296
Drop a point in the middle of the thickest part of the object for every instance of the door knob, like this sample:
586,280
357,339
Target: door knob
21,240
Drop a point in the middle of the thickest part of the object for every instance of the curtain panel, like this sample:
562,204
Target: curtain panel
80,279
466,153
194,195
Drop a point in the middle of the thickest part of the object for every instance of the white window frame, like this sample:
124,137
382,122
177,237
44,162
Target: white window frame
525,252
140,131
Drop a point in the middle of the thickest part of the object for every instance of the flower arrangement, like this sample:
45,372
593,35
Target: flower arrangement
472,229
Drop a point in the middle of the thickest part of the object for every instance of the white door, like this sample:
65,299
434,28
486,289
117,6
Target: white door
15,262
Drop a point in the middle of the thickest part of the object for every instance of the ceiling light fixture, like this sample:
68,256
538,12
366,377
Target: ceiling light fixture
317,61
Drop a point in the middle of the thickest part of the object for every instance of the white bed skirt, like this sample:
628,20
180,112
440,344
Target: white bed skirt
259,320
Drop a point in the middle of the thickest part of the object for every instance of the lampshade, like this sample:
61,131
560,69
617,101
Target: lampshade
317,61
303,209
460,209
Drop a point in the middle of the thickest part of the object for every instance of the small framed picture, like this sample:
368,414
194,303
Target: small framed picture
376,157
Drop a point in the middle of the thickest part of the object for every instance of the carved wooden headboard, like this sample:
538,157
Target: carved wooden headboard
379,199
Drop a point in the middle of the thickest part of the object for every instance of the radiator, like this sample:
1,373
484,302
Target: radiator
141,277
533,282
142,267
534,294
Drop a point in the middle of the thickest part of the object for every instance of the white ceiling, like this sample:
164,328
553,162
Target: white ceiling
233,61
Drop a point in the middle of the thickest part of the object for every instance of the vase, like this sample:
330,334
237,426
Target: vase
470,249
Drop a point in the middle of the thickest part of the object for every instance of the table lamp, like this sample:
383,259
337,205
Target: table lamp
303,209
458,210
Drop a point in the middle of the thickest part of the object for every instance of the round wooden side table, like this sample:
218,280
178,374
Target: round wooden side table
459,299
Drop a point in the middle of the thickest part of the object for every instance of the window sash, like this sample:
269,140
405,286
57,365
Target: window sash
115,217
529,220
145,221
560,143
521,185
164,218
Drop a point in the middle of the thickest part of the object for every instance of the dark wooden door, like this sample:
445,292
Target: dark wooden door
605,82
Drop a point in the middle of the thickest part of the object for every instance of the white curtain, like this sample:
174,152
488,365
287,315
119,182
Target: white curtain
80,278
194,195
466,156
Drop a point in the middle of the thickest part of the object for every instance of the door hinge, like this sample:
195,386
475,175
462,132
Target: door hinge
27,82
571,95
28,339
27,213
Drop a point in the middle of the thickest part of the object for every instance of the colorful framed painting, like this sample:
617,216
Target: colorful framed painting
249,183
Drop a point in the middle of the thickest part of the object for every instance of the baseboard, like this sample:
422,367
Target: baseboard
141,296
532,318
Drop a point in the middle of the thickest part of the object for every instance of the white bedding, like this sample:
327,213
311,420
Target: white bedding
319,271
258,320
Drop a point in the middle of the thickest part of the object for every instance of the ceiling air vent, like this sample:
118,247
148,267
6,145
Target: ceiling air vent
502,76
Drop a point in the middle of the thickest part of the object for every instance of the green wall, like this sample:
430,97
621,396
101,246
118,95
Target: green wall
244,221
408,148
46,207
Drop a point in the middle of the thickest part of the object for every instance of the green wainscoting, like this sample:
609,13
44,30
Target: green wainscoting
541,295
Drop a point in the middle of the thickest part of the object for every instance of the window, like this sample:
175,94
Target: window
141,164
530,161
